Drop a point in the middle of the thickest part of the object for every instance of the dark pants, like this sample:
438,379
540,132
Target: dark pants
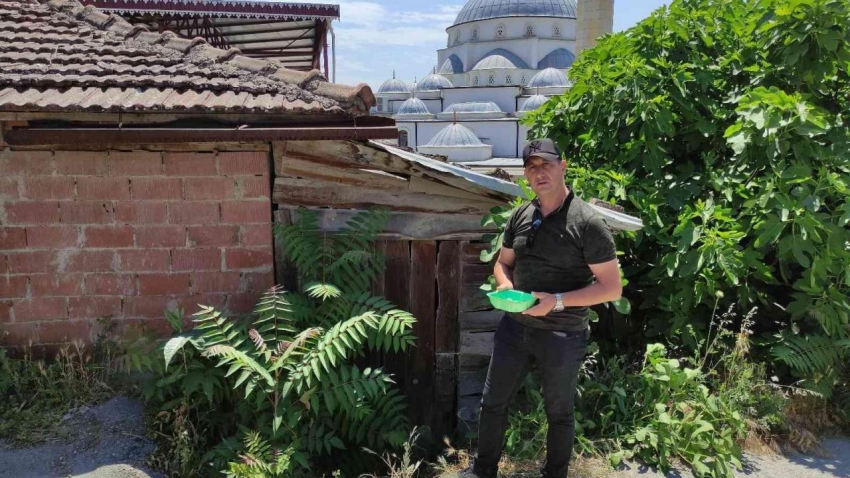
558,356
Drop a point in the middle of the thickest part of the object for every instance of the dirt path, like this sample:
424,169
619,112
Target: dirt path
105,441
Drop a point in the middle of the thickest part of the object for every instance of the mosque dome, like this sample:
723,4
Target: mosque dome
476,10
413,106
452,66
500,58
455,135
394,86
550,77
560,58
434,82
534,102
473,107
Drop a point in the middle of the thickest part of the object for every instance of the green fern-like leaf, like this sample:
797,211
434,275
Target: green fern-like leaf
812,354
245,362
323,291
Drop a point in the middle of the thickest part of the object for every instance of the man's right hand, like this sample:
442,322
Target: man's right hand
505,286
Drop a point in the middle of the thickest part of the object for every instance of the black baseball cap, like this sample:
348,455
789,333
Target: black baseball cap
543,148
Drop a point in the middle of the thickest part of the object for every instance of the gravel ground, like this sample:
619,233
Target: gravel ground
104,441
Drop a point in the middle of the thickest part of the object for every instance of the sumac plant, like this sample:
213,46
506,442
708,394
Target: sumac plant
724,125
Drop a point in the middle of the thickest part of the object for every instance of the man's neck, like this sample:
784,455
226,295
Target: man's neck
551,202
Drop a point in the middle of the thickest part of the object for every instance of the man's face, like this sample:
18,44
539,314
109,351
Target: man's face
545,175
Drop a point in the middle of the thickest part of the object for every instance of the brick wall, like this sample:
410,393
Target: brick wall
127,235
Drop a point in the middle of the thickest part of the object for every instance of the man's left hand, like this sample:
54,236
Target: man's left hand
545,304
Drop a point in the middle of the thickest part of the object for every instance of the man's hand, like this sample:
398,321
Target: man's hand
546,302
505,286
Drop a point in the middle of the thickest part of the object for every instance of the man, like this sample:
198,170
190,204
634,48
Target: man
553,247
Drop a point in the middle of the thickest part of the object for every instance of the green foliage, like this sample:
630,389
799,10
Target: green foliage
278,393
724,125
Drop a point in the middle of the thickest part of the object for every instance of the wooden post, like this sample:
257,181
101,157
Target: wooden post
422,359
446,338
397,290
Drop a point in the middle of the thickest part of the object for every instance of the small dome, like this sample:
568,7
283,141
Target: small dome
434,82
534,102
455,135
452,66
548,78
394,86
475,10
413,106
473,107
500,58
560,58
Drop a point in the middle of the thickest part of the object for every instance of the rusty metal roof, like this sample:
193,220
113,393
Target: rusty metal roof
58,56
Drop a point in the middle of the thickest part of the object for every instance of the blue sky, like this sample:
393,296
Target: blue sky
379,36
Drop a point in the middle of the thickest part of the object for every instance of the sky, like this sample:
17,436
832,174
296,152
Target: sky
379,36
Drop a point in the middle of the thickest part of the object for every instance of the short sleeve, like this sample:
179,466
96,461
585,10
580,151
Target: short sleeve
598,242
510,231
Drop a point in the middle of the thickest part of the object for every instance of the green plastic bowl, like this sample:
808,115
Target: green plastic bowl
511,300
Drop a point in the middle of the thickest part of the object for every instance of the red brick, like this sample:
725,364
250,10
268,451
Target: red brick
18,163
49,187
215,236
32,212
44,308
25,262
64,332
135,163
236,163
88,212
13,287
163,284
56,285
18,334
103,188
149,260
248,187
82,163
89,261
200,189
111,284
52,237
161,236
12,238
5,314
113,236
140,212
196,260
155,327
243,212
256,235
9,189
156,188
253,281
190,164
193,213
243,302
204,282
248,259
152,306
93,307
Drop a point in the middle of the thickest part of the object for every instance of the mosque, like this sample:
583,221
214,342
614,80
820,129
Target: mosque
503,58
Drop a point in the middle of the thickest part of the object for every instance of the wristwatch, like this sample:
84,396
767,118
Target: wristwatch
559,304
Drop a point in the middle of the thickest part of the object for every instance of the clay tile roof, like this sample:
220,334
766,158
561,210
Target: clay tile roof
56,55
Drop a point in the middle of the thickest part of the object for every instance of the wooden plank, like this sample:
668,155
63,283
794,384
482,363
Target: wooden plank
476,275
423,185
480,321
472,298
313,192
471,382
468,363
286,274
296,167
477,343
446,337
468,410
407,225
445,394
472,252
422,360
397,290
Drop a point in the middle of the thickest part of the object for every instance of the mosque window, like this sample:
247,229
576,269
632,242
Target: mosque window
509,80
500,31
475,33
529,31
556,31
475,82
403,138
491,80
457,37
523,80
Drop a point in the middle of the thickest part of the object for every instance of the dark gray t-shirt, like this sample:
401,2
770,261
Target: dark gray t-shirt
566,242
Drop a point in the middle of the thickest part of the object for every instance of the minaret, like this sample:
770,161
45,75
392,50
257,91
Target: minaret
595,18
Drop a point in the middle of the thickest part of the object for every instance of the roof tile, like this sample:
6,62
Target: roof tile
61,56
